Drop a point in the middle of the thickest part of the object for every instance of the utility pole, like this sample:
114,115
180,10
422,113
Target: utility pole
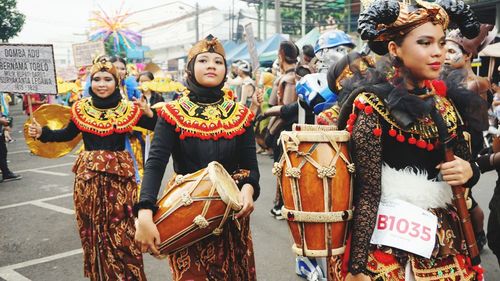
265,18
277,15
303,20
259,20
196,20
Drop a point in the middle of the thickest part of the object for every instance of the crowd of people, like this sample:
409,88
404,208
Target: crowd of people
407,99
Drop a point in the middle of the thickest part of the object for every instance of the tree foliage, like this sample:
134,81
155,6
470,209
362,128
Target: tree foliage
11,20
290,19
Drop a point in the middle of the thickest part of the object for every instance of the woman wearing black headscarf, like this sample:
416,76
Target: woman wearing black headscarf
223,134
105,188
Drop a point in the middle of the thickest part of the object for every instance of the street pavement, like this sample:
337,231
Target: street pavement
39,240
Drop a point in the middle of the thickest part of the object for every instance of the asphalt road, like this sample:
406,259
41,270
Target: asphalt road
39,239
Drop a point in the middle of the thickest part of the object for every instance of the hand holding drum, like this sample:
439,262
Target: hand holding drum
193,207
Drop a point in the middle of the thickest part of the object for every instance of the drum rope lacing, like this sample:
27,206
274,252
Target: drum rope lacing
186,199
290,143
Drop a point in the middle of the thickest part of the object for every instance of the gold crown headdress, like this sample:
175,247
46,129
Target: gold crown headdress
102,63
209,44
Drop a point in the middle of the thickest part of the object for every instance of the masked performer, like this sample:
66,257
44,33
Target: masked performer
105,187
399,125
225,135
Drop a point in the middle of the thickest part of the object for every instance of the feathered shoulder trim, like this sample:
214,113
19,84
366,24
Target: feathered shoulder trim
223,119
105,122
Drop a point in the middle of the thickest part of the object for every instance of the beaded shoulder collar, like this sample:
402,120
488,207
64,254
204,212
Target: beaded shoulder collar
223,119
423,133
105,122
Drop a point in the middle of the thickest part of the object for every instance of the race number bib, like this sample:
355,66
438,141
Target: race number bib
405,226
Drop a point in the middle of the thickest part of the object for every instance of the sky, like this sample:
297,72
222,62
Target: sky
66,21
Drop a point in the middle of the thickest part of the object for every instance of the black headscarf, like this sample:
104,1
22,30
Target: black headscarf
108,102
199,93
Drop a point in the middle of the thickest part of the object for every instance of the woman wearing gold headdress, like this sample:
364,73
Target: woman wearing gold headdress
400,126
201,127
105,186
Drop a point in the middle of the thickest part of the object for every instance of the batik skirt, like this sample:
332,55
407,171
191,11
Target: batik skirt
227,257
105,191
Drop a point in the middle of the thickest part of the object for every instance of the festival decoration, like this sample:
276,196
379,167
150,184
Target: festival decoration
115,30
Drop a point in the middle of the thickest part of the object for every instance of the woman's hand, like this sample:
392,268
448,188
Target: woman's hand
246,198
258,97
147,236
456,172
144,106
34,129
357,277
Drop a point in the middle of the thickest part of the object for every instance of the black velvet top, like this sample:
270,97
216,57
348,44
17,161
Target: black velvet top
191,154
114,142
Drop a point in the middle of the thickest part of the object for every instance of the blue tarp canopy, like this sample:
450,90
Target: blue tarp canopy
229,45
309,39
271,44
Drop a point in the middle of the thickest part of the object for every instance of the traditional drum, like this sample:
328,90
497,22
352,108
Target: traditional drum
315,173
195,206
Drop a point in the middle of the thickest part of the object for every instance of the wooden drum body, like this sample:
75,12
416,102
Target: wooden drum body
195,206
316,187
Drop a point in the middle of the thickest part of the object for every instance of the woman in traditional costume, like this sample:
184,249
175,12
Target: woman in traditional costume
149,95
105,186
201,127
400,125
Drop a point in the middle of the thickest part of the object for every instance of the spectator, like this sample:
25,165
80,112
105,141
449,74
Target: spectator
7,174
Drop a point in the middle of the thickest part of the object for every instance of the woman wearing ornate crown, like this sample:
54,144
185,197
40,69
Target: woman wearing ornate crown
105,186
201,127
405,226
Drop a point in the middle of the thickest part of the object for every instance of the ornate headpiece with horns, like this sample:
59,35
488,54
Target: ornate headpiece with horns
386,20
209,44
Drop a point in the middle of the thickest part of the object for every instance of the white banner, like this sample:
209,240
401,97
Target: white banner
84,53
27,68
405,226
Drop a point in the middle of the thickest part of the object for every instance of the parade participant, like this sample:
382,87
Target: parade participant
338,75
105,188
37,100
247,83
128,85
331,46
224,135
460,53
486,163
234,80
400,128
285,94
150,96
266,80
128,89
5,126
307,54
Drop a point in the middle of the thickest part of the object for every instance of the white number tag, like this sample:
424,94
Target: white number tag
405,226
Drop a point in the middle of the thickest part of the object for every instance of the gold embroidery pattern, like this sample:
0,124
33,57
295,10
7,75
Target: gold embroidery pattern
104,122
424,127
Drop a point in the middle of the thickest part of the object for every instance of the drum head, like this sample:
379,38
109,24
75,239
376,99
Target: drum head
225,185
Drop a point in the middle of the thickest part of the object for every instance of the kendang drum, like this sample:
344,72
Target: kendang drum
316,176
195,206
